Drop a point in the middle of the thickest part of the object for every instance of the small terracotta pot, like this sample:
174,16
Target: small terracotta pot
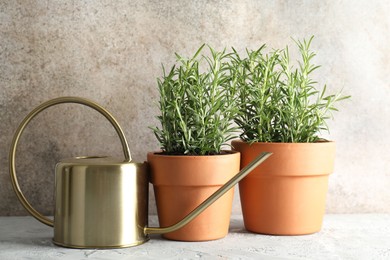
286,195
181,183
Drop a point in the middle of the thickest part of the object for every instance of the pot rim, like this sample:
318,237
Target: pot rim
214,169
289,159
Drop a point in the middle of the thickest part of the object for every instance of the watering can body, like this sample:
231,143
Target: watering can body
100,202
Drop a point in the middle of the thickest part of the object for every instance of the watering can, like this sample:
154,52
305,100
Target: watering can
102,202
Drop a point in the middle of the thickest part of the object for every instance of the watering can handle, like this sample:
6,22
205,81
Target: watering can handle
21,128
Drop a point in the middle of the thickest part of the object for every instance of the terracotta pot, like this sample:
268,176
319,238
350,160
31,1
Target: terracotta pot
286,195
181,183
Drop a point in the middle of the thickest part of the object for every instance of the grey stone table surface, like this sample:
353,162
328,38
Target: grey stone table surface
356,236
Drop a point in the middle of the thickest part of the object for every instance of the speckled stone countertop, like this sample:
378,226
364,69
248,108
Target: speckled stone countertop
358,236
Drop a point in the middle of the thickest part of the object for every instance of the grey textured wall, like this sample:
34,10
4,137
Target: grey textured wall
111,52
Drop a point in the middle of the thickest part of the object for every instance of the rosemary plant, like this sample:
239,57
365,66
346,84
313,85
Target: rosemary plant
280,103
197,107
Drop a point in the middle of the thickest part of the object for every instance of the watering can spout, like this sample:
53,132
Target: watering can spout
216,195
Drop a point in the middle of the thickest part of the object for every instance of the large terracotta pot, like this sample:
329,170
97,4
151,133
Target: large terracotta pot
286,195
181,183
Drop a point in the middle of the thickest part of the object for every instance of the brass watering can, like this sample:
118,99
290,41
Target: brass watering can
102,202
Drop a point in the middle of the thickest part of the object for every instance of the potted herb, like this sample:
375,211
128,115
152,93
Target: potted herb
198,105
283,112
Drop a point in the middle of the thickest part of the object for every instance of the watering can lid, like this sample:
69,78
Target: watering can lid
96,160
